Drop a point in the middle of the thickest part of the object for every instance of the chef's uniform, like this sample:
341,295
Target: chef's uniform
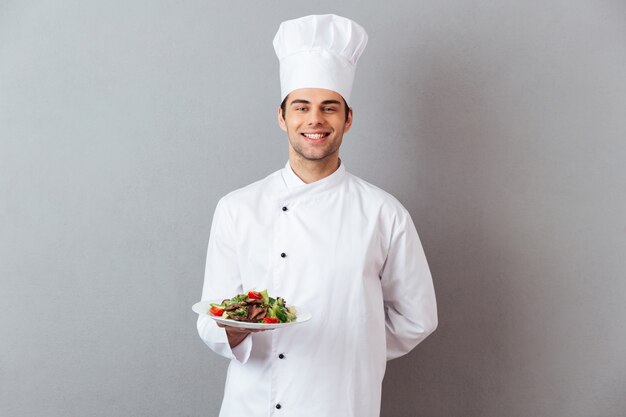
339,248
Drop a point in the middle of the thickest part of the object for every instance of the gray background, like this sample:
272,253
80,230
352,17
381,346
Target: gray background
501,126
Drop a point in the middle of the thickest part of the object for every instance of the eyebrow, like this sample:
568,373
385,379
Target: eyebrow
299,101
324,103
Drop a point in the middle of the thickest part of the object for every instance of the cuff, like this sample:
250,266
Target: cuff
241,352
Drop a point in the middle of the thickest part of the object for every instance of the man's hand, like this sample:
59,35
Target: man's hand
237,334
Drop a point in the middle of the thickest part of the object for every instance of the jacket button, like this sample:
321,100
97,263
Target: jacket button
281,356
284,208
282,255
278,406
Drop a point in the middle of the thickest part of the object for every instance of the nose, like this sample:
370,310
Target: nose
314,117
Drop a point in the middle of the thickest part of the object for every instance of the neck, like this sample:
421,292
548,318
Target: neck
311,171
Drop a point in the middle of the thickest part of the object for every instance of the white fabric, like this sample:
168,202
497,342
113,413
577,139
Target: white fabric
353,258
319,51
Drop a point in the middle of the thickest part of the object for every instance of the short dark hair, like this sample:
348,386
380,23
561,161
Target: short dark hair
283,106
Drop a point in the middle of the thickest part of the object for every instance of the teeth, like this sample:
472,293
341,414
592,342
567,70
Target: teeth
315,135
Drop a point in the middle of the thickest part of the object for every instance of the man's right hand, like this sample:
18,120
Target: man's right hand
236,335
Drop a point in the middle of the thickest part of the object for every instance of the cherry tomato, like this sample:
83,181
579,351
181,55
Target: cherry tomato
216,311
270,320
255,295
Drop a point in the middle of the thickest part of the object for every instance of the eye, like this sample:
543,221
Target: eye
329,109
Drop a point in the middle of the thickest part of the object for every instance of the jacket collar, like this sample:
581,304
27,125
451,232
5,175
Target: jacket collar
294,183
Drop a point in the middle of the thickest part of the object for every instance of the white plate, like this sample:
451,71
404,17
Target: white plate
202,308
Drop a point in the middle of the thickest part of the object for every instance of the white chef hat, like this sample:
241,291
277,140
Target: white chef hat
319,51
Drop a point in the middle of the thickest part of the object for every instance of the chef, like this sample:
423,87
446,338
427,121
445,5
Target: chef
323,239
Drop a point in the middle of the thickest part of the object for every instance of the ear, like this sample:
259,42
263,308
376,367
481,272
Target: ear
348,124
281,119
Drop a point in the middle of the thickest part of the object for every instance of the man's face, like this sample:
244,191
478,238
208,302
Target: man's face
315,121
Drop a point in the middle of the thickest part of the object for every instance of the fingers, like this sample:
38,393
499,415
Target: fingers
239,330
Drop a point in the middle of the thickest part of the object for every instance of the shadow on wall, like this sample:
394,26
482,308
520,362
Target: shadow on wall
467,232
514,117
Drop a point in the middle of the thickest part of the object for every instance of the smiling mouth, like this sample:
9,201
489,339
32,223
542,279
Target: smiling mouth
315,136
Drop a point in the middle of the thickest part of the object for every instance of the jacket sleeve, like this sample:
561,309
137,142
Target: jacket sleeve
222,280
408,292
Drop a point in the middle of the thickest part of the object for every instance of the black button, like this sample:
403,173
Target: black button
281,356
278,406
284,208
282,255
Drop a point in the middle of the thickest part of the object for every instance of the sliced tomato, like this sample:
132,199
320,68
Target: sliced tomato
216,311
255,295
270,320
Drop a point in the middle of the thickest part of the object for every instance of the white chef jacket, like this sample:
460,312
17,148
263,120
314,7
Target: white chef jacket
340,248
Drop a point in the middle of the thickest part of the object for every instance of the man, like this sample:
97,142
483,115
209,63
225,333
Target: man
327,242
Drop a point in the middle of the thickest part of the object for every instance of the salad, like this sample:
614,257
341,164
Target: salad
255,307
